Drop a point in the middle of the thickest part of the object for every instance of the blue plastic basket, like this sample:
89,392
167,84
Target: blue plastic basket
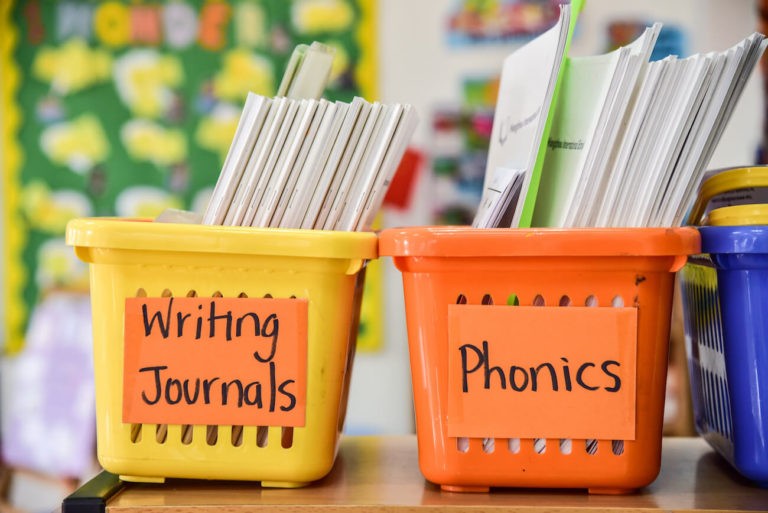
725,299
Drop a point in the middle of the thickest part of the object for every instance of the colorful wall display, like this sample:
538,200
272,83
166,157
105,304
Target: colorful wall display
499,21
672,38
125,108
460,138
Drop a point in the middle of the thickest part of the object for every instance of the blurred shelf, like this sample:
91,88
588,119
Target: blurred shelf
381,474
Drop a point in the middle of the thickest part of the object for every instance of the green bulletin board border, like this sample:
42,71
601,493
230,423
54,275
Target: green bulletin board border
11,157
371,335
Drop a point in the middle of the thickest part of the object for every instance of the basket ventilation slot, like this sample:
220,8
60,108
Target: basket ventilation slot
539,300
565,446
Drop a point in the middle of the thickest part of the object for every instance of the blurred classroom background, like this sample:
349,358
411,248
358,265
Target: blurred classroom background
125,108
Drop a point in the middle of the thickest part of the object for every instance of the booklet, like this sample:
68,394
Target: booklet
612,124
309,175
726,93
503,189
300,161
616,171
587,83
394,154
291,145
527,91
253,170
247,131
677,137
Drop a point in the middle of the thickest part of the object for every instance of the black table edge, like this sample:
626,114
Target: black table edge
93,495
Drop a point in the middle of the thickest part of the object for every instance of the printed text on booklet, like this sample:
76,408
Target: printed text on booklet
541,372
213,360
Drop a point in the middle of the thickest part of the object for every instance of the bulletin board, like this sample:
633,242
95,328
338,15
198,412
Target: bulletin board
126,108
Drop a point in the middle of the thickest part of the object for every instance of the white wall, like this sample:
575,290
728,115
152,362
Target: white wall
418,67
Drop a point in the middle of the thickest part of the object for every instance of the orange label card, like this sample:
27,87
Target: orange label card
541,372
213,360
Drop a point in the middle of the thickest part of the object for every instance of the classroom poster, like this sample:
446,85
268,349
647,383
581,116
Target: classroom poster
124,108
473,22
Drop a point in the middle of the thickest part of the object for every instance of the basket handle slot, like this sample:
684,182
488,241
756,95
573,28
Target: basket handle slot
161,433
212,435
135,433
286,439
262,436
186,434
237,436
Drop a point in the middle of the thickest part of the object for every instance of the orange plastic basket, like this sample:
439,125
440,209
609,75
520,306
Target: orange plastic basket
550,269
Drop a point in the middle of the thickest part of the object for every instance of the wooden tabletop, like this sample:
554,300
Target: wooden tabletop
381,474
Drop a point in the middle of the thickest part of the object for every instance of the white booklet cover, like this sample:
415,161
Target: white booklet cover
526,89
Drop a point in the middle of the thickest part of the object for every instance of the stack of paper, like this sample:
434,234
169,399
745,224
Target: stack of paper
630,140
595,95
306,163
684,120
720,99
606,140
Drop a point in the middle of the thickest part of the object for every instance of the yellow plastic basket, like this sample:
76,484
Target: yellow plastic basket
133,258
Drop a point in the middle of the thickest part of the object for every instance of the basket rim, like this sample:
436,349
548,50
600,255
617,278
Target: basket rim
734,239
464,241
145,235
